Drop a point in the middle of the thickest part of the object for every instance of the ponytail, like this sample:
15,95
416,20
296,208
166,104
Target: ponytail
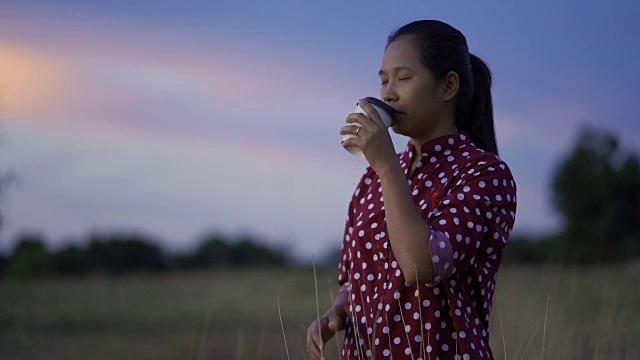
476,116
443,48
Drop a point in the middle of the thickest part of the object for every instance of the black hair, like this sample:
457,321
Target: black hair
443,48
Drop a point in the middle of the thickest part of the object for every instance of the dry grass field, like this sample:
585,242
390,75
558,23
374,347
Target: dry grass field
539,313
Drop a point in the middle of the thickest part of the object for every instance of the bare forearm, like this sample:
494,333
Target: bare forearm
408,231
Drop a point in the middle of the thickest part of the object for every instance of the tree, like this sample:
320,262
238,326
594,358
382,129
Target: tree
124,253
31,258
596,189
215,250
4,263
72,260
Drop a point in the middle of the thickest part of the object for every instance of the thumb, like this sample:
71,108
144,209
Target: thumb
335,323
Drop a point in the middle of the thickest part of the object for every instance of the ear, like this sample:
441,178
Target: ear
451,85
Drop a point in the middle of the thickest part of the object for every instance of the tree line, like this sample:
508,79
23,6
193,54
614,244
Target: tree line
124,253
595,190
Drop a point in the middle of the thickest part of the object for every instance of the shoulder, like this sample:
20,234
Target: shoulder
480,163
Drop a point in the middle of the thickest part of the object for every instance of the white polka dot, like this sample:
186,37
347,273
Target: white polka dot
436,258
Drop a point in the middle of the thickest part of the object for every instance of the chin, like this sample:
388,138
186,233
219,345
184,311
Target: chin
399,129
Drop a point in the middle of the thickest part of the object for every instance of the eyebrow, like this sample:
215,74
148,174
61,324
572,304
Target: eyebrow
397,68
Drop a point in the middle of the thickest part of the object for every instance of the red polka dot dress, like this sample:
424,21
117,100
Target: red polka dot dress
468,198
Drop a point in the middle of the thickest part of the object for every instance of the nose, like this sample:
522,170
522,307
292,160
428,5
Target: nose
388,93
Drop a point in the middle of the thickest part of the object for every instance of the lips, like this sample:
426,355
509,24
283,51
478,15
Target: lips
398,111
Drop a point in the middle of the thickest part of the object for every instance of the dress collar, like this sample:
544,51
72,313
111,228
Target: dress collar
441,145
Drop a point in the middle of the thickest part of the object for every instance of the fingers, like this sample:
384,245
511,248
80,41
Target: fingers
371,112
314,341
350,130
335,324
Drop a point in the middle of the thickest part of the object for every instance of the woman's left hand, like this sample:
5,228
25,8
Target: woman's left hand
373,138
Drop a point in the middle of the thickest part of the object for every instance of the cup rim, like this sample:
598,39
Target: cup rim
381,104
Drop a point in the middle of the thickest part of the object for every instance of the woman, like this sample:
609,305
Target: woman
426,228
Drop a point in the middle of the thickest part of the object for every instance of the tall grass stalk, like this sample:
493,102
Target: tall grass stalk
315,282
422,349
544,327
504,342
515,356
240,345
356,328
284,336
365,313
404,324
332,299
205,331
529,342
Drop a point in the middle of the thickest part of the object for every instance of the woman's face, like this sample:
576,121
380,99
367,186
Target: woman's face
411,89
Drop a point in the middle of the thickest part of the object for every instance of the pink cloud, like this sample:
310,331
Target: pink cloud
121,78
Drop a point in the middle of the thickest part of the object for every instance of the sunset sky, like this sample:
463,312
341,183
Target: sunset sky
176,118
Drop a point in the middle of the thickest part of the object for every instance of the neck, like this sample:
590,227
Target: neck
447,128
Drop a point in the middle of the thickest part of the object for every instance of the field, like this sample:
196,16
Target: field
539,313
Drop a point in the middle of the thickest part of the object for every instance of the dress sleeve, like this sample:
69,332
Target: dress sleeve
473,220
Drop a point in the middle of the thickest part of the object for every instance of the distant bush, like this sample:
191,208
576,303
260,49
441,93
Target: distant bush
31,258
4,264
123,253
72,260
215,250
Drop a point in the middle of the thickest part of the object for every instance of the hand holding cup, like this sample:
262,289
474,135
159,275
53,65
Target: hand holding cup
386,113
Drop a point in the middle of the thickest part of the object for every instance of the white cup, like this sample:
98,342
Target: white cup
386,113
